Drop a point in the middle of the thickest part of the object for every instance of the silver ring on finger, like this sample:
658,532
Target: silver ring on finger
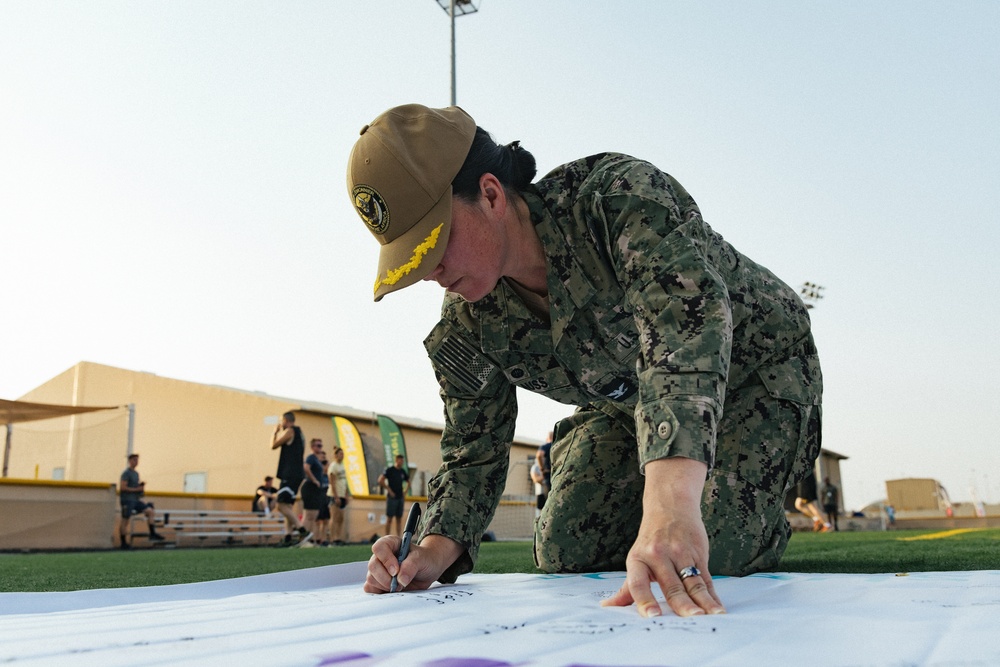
689,571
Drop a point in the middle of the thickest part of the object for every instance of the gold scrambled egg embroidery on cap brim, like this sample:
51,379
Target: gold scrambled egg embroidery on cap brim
393,276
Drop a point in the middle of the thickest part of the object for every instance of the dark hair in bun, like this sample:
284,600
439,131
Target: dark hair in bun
513,166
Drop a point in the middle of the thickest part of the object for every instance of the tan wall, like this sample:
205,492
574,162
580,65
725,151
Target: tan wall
184,427
913,494
56,515
180,427
39,448
519,471
39,515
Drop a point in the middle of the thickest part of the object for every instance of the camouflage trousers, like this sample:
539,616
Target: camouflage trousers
591,518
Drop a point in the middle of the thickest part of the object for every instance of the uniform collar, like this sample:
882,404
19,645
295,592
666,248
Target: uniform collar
570,289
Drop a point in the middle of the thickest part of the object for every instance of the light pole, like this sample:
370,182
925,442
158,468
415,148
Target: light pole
811,293
456,8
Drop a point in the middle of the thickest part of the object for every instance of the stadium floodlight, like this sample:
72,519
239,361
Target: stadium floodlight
811,293
455,8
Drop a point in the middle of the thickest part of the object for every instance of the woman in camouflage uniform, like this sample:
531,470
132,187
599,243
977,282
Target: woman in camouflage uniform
693,368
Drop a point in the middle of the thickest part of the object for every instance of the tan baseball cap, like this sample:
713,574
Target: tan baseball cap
399,178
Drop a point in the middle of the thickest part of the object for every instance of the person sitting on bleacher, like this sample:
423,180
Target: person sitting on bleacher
131,491
266,498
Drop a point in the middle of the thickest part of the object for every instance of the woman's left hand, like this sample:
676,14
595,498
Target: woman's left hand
672,541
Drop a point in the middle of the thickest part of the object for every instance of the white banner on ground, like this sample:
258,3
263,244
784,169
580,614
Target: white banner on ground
321,617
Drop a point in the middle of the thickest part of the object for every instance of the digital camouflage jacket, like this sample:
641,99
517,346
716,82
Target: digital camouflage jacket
652,316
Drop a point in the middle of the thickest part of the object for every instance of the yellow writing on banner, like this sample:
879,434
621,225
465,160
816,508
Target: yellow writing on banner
354,456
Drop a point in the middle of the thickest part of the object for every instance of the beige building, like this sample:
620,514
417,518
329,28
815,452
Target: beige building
915,493
197,438
202,447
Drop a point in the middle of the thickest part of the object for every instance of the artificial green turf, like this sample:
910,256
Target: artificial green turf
154,567
807,552
892,551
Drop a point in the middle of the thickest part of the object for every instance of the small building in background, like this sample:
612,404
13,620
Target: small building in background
914,494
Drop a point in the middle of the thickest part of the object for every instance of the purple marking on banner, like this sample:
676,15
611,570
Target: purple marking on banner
466,662
343,659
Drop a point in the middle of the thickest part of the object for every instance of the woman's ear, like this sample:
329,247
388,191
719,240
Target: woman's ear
493,194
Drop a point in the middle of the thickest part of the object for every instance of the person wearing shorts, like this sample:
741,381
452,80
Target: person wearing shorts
291,473
395,480
130,496
264,500
339,494
806,502
313,494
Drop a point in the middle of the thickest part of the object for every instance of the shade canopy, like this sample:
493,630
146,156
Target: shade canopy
12,412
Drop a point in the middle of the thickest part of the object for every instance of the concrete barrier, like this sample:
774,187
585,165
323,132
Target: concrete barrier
37,515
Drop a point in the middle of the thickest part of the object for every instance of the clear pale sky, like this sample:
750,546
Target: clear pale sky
173,198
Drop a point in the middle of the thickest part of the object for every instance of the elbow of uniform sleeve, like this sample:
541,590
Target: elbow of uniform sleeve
683,426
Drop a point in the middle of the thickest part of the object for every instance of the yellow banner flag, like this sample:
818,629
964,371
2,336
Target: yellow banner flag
354,456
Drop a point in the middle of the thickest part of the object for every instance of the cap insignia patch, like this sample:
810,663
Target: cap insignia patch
371,207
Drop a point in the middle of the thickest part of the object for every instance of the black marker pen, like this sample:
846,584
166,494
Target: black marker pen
411,526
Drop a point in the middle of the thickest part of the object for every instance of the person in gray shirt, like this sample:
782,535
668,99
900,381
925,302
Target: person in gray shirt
131,490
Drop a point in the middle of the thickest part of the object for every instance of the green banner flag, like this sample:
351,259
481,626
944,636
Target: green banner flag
392,440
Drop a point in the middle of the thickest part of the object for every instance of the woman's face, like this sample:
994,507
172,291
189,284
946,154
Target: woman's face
473,259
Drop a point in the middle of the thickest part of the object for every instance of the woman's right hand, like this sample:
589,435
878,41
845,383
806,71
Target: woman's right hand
421,568
671,538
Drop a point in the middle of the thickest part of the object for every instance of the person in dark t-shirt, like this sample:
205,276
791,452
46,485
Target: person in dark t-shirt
291,472
395,480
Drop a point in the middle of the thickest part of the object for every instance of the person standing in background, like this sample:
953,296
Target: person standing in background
805,502
890,515
540,489
339,495
543,457
313,495
323,518
831,502
395,481
289,439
